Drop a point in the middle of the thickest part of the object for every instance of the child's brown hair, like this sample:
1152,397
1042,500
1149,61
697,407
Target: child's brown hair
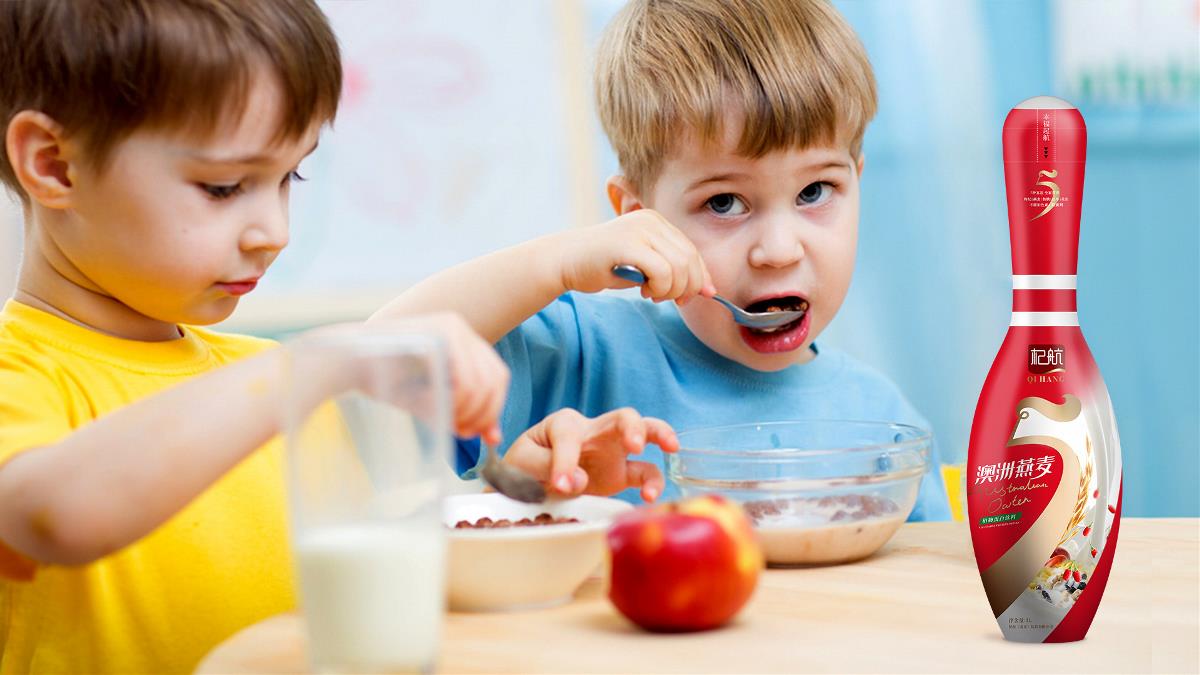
104,68
793,70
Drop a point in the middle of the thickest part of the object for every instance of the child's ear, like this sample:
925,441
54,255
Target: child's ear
862,158
622,195
40,158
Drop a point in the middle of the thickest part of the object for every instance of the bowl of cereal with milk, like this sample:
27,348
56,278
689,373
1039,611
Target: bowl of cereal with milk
818,491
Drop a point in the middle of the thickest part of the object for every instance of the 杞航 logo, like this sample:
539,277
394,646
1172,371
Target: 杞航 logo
1045,359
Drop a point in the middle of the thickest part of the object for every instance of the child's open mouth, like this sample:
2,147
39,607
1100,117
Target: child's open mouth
783,338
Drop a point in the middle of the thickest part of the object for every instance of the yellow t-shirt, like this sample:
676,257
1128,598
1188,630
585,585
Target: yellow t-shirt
161,603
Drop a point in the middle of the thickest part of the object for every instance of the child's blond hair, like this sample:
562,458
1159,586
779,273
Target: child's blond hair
105,68
793,71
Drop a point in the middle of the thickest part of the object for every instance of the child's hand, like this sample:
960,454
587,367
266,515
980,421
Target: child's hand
478,377
574,454
643,238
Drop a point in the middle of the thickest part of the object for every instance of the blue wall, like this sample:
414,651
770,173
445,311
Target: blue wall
931,297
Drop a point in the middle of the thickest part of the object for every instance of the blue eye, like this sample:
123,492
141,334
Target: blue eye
294,177
814,193
726,204
221,191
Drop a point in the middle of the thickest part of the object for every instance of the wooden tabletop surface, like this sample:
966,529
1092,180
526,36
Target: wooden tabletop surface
917,606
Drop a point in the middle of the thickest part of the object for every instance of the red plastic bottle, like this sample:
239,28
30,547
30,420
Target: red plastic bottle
1044,463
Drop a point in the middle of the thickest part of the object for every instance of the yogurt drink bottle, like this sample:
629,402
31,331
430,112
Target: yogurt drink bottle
1044,462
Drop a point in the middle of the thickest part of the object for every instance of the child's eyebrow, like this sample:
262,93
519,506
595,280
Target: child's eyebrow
719,178
260,158
832,164
732,176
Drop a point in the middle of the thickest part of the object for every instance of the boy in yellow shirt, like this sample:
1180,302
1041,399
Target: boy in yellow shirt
153,146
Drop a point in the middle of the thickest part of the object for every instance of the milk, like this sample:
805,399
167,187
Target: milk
373,595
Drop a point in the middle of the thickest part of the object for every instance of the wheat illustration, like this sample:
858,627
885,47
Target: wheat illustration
1081,500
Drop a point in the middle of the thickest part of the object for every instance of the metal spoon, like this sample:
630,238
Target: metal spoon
511,481
741,316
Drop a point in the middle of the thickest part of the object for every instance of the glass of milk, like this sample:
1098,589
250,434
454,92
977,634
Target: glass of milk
368,433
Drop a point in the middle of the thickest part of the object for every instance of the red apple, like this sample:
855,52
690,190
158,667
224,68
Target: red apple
683,566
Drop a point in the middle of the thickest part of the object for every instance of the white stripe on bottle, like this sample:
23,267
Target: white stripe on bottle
1045,319
1044,282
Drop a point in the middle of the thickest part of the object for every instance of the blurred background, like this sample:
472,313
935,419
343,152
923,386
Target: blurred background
469,126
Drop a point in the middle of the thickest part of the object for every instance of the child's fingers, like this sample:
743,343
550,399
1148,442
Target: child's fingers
565,433
646,476
625,425
687,268
658,273
687,260
695,280
699,276
661,434
677,260
685,263
463,376
682,286
633,430
580,481
709,288
699,281
530,454
495,387
492,436
695,272
481,383
470,401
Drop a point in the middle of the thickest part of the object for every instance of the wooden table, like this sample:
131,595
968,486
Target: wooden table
917,606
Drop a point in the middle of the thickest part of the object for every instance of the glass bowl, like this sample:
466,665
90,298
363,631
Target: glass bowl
818,491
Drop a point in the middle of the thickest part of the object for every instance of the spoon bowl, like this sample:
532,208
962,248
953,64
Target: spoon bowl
511,481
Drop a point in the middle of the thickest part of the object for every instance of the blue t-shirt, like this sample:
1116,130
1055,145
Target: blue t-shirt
597,353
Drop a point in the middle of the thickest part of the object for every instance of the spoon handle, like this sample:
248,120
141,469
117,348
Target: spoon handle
629,273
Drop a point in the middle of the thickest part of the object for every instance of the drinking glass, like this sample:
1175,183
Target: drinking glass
368,431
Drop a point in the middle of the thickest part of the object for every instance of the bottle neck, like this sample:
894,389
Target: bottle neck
1044,300
1044,161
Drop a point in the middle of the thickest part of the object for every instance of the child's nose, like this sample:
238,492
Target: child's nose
268,229
778,245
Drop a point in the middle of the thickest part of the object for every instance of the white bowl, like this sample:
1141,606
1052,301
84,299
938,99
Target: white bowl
523,567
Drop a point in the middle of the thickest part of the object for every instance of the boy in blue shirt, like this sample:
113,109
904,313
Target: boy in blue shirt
739,127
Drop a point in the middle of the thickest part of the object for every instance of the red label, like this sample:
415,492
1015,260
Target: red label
1011,379
1007,492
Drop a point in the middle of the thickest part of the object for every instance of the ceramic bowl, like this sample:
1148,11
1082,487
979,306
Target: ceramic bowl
523,567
